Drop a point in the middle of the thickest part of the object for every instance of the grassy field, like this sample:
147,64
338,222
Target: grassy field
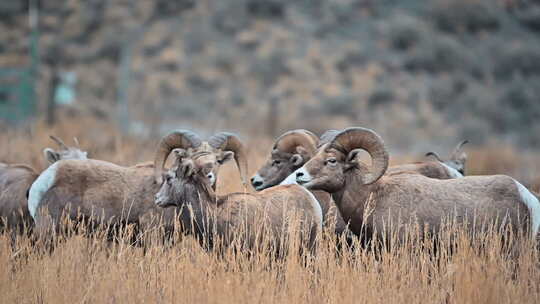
463,269
91,270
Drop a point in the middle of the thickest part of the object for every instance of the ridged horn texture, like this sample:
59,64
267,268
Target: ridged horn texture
231,142
328,136
457,150
289,140
184,139
366,139
59,142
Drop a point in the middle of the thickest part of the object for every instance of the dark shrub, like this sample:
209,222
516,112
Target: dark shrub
530,18
381,96
456,16
405,31
266,8
230,17
268,70
523,60
339,105
446,90
520,105
439,54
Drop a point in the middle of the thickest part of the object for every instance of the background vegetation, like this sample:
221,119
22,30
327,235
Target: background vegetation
442,69
423,74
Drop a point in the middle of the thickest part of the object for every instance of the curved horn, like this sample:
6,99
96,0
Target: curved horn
76,142
289,140
328,136
434,155
230,142
176,139
59,142
366,139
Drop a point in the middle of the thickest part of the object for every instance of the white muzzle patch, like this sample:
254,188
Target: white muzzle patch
302,176
212,178
257,182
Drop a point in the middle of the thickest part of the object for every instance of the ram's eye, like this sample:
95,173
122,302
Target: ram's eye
331,161
276,162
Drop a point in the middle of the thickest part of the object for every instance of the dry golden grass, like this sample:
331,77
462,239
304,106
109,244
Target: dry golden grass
92,270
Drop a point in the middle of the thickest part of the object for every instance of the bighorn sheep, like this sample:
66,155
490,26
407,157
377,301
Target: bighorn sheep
454,167
457,158
237,216
294,148
290,152
366,196
16,179
114,194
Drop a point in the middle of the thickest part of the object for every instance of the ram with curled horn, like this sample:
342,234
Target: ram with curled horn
291,151
370,199
294,148
454,167
16,180
227,145
107,192
244,219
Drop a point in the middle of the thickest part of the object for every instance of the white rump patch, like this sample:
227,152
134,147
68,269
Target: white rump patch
44,181
452,172
534,207
316,206
290,180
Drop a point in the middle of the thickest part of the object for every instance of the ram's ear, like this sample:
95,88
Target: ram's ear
297,160
352,159
51,156
226,156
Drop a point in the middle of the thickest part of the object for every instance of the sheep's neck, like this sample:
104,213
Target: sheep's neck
351,200
197,213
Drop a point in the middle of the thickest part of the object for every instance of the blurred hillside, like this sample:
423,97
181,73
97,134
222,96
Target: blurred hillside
419,72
